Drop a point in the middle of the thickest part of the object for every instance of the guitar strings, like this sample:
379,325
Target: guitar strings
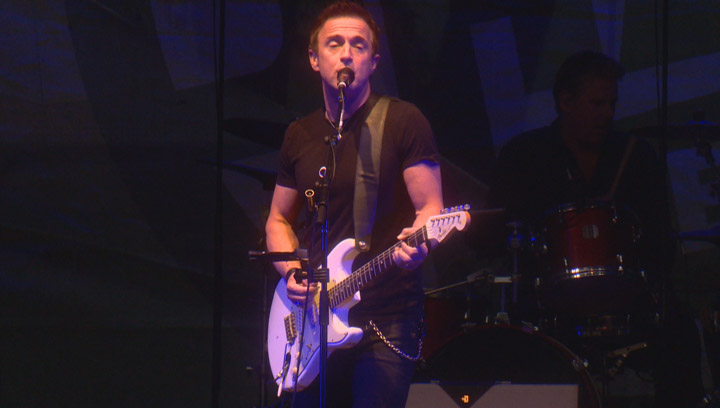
354,281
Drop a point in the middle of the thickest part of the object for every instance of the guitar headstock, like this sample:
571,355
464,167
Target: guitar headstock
449,220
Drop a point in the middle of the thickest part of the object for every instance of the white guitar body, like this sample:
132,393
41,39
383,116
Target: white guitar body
294,354
340,335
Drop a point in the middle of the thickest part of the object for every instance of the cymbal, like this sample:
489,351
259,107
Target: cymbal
711,234
702,130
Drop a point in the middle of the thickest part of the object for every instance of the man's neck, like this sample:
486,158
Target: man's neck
352,102
575,143
586,154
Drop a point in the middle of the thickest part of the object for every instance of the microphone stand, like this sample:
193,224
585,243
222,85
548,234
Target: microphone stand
322,275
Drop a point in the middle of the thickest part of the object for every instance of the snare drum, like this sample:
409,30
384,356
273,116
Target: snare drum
590,261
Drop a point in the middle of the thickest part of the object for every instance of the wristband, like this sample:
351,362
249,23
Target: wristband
290,272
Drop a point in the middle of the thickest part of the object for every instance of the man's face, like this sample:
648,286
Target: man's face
344,42
589,114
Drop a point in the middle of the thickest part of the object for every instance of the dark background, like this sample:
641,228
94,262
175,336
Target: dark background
108,135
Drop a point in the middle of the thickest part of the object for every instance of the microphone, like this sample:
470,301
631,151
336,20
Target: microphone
345,77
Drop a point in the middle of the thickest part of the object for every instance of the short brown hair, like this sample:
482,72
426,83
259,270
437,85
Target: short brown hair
344,9
579,66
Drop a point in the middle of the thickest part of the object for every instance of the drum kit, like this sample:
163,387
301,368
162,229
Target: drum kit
594,307
594,313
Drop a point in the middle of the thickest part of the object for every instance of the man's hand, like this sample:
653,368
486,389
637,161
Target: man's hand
407,257
296,291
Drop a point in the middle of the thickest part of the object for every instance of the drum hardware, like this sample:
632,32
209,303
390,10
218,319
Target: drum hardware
591,231
519,238
580,364
478,276
580,329
514,240
502,316
605,326
620,355
625,351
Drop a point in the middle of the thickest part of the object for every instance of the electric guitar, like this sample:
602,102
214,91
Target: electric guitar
296,359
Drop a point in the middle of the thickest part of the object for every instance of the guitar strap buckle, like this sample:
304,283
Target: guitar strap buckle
361,245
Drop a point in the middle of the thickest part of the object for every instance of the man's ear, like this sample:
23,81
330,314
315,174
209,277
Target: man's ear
312,56
375,60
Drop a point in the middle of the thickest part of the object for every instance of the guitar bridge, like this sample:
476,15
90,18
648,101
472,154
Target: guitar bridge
290,332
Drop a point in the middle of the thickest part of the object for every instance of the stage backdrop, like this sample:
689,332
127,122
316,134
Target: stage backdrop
108,134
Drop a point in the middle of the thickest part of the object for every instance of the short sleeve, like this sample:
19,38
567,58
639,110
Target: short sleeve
417,141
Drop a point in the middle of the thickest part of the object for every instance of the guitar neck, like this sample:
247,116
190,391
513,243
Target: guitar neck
363,275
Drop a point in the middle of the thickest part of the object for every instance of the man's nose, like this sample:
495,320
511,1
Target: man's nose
346,52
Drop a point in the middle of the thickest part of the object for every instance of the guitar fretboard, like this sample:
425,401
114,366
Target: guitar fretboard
360,277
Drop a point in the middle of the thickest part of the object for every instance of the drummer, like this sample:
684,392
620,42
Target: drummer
577,157
580,160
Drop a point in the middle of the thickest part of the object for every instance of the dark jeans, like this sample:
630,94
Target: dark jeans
369,374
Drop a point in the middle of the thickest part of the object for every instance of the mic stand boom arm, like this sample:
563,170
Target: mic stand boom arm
296,255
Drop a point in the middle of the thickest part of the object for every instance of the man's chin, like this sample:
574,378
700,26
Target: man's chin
594,138
599,133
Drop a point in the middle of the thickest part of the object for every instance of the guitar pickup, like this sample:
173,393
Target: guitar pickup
290,332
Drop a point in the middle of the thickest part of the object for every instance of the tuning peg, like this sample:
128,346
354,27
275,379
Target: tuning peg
464,207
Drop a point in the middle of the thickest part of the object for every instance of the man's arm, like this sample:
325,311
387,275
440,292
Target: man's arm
424,186
280,237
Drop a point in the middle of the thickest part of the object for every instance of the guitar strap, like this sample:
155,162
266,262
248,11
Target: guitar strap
367,173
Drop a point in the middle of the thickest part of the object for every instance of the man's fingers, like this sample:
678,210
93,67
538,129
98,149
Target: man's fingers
297,292
406,232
